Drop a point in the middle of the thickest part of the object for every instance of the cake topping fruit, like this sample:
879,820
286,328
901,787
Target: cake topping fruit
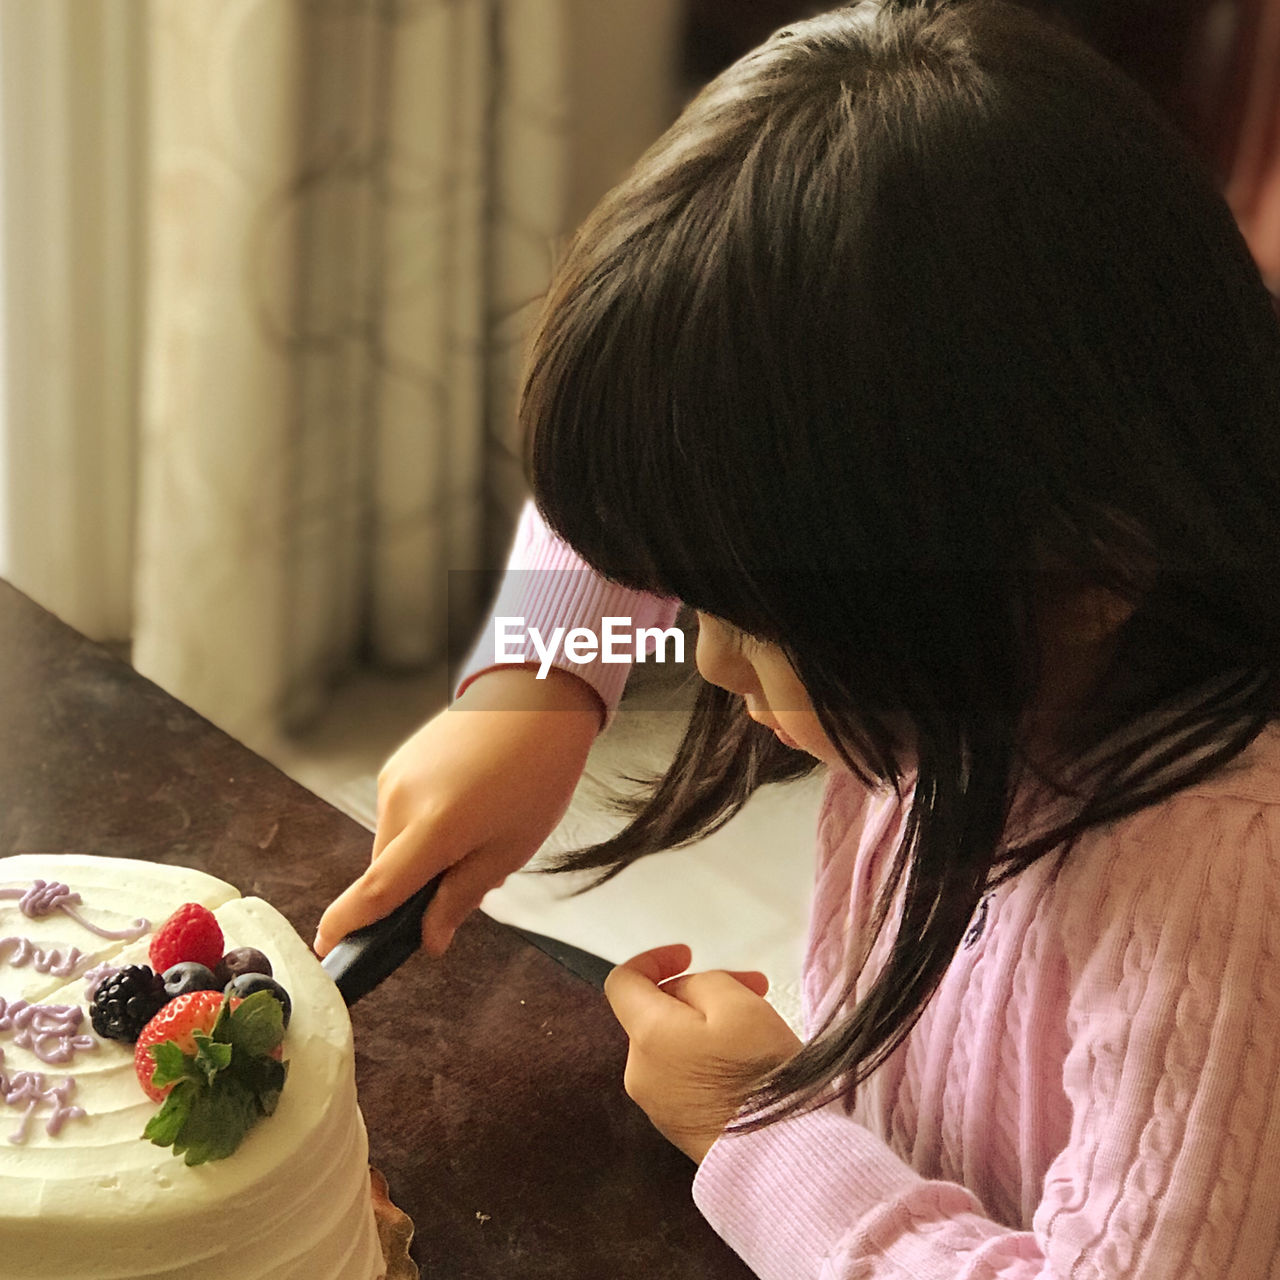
126,1001
247,983
177,1022
189,975
241,960
191,933
214,1061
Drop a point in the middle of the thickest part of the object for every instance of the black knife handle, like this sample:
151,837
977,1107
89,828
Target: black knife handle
365,956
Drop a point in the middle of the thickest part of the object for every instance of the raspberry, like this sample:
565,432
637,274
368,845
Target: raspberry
191,933
125,1002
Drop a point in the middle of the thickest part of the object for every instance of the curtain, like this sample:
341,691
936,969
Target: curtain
314,395
267,266
71,112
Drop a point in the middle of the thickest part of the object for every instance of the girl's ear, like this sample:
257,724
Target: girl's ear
1091,615
1070,610
1076,628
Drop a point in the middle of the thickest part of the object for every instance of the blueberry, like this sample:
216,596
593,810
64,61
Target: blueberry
188,976
241,960
247,983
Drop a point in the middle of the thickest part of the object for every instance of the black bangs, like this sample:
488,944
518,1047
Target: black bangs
622,467
860,320
641,399
680,381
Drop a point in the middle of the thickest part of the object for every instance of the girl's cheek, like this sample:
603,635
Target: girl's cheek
803,731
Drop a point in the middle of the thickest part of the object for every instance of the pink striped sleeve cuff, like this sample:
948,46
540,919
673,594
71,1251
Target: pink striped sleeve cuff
548,586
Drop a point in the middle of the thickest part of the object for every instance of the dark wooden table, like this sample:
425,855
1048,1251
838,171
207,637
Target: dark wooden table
490,1081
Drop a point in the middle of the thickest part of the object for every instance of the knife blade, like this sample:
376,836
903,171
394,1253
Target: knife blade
582,964
367,955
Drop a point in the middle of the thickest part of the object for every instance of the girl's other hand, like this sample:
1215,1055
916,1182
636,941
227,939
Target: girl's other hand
476,790
699,1042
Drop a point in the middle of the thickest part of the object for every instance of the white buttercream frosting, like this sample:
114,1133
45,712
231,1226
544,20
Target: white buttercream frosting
96,1201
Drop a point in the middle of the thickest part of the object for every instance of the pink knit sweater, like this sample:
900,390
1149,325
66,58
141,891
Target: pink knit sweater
1094,1090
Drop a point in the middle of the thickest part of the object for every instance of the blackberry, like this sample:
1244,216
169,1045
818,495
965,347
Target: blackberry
125,1002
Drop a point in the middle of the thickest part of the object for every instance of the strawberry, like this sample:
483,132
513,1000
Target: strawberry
191,933
214,1062
178,1021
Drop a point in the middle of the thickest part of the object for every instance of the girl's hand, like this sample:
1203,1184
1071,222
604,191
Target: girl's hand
699,1042
476,790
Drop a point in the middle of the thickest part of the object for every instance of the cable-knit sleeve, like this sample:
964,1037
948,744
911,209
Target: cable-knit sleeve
548,585
1166,931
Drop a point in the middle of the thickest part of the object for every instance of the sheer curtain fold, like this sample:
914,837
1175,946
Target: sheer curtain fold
219,370
314,397
72,110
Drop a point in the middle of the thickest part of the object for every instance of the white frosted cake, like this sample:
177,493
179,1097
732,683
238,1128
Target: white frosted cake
83,1196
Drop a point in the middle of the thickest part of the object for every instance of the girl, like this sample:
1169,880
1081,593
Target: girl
921,361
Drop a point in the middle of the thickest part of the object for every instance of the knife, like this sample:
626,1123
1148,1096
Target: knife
367,955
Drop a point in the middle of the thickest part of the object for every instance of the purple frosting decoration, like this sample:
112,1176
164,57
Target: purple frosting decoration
46,896
30,1088
62,962
47,1030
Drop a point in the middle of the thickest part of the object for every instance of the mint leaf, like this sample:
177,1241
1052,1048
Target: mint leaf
216,1123
211,1057
257,1025
171,1064
163,1127
263,1077
222,1023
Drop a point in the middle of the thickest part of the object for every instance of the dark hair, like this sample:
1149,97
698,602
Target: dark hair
915,312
